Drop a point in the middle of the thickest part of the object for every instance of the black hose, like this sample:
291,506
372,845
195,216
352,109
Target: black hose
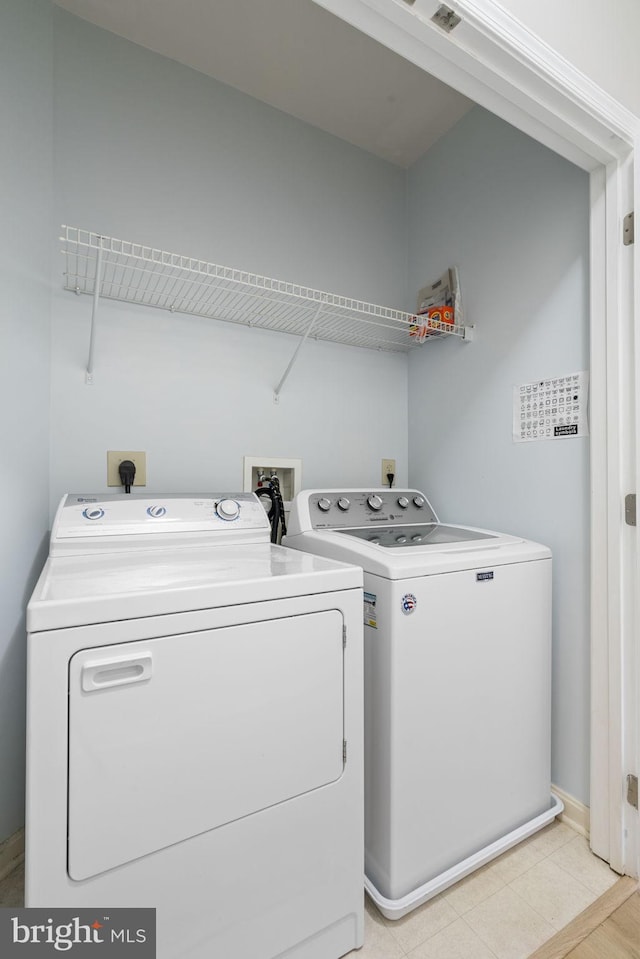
267,493
275,484
275,512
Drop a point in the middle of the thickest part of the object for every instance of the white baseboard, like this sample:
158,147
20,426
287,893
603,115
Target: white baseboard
575,814
11,853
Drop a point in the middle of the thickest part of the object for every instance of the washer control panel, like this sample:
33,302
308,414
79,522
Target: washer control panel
339,509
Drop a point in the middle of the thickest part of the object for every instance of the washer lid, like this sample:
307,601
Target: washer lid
463,547
396,534
419,534
101,588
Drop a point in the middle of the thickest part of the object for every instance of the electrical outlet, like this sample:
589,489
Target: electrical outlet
115,457
388,466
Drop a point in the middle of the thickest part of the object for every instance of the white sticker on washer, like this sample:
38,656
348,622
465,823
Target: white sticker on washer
370,615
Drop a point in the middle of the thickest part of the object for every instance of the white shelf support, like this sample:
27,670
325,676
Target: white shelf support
276,392
94,315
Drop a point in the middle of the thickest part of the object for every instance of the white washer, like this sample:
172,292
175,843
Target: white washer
457,686
194,732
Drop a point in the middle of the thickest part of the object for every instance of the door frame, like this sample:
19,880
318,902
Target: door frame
493,59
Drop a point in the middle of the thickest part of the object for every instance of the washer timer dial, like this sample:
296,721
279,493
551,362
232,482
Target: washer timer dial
374,501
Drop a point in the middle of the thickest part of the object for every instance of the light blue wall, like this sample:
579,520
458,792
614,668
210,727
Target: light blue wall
151,151
514,218
25,173
148,150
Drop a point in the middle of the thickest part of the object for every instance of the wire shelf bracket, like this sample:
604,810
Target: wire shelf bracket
108,268
276,392
94,315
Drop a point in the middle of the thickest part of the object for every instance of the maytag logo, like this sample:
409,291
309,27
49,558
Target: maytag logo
38,932
483,577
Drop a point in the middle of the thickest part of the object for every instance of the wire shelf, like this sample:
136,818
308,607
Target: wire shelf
134,273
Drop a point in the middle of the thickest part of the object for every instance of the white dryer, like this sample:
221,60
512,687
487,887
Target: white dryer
457,685
194,732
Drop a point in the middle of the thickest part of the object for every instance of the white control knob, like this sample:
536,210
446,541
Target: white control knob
93,512
228,509
401,539
418,501
324,504
344,504
403,502
374,501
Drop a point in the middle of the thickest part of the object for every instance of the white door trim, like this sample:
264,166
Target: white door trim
496,61
631,652
613,545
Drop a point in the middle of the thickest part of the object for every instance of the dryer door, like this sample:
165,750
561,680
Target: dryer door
174,736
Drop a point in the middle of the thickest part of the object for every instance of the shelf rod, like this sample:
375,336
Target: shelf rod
276,392
94,313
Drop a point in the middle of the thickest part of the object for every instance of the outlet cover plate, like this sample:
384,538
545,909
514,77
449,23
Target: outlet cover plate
388,466
115,457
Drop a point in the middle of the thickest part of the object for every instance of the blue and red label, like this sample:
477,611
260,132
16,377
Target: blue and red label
409,603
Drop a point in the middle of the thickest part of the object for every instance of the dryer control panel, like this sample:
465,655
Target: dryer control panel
340,509
118,520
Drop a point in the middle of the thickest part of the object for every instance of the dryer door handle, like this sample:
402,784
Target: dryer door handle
119,671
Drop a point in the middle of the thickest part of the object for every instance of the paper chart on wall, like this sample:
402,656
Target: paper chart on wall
551,409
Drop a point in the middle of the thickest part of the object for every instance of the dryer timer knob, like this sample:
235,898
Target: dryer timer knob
374,501
228,509
93,512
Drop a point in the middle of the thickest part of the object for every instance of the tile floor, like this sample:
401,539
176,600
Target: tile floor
503,911
12,888
506,910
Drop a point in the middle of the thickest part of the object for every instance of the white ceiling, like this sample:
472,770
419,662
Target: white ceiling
298,58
